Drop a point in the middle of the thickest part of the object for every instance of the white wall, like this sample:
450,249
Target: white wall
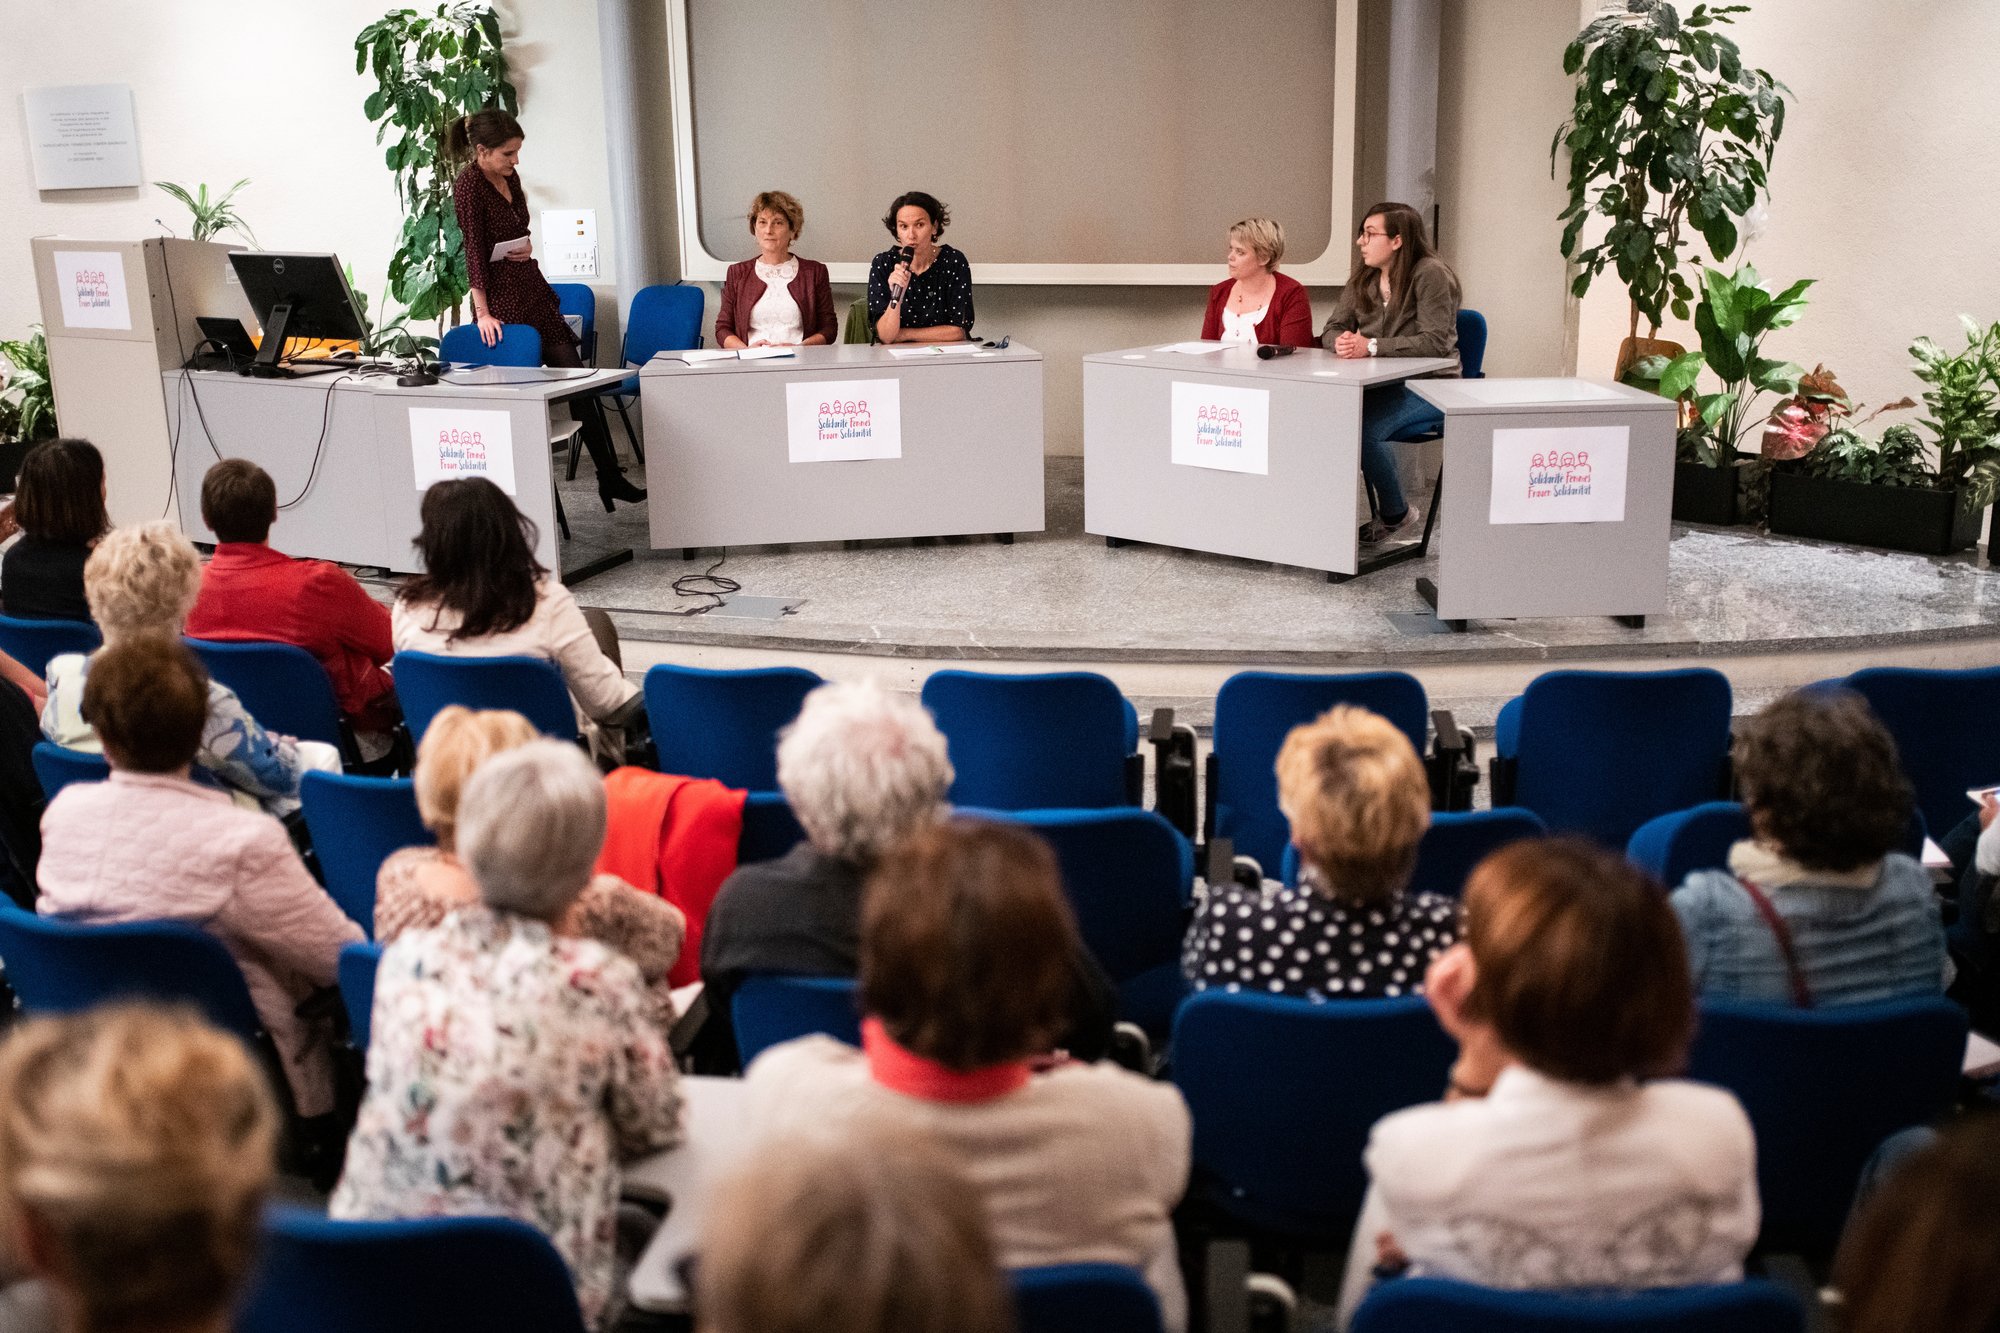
1885,185
225,90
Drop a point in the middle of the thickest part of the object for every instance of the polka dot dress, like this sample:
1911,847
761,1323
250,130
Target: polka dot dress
941,294
1297,941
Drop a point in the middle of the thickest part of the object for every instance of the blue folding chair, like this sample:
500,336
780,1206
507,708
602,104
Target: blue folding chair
355,823
1048,740
1084,1298
58,766
427,683
33,642
770,829
1671,847
283,686
1254,712
519,345
1435,1305
1602,752
1284,1091
356,974
1947,730
578,299
663,318
1453,844
1129,877
724,724
1823,1088
1471,365
768,1010
439,1274
60,967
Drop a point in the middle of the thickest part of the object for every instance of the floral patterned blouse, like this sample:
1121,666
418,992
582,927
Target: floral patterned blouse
510,1072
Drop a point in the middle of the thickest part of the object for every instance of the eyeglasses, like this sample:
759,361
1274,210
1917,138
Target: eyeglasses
1368,235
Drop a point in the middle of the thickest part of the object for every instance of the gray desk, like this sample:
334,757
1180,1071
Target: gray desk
1303,510
713,1137
718,435
1521,538
339,448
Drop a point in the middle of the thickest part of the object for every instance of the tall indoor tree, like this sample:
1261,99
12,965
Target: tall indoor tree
429,70
1670,137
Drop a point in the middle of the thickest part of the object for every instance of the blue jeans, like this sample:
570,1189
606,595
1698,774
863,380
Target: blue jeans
1387,411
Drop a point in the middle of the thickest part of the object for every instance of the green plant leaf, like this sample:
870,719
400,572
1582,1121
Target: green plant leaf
1680,374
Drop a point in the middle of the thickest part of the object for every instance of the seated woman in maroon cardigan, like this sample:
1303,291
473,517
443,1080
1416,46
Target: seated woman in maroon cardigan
776,299
1256,303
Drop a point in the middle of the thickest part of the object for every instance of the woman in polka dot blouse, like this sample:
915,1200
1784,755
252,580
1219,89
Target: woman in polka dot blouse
919,291
1354,790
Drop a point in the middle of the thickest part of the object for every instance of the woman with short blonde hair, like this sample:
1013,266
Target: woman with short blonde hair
137,1146
777,299
1256,303
144,580
1354,790
417,887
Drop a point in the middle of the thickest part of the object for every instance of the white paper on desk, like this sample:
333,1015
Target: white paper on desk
90,285
838,421
914,351
504,248
763,353
1192,349
1559,474
701,356
1221,426
451,442
946,349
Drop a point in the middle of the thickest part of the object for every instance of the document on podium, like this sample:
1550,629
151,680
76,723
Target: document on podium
1192,349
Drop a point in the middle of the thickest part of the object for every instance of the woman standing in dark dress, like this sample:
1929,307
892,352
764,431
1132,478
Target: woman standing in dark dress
492,207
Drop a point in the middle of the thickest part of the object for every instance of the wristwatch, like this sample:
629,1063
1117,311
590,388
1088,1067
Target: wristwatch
1371,347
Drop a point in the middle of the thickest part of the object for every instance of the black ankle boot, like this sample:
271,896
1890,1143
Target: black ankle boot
612,485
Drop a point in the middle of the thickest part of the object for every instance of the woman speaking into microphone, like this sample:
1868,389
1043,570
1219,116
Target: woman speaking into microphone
492,208
919,291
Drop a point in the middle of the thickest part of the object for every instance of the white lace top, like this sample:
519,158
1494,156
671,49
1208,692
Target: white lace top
1243,328
776,317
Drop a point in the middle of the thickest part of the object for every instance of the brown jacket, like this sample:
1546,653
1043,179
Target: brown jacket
1423,323
810,287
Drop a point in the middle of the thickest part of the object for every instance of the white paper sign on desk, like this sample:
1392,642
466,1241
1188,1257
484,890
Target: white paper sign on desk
1559,474
1221,426
452,442
837,421
91,285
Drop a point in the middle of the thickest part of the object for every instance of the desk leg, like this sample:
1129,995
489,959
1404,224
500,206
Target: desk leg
1429,592
1004,538
1116,542
592,568
1631,622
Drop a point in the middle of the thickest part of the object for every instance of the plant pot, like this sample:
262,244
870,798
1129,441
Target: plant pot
1900,518
11,454
1712,495
1634,350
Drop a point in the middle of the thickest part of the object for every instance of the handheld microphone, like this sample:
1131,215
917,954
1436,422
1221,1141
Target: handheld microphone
904,254
1265,351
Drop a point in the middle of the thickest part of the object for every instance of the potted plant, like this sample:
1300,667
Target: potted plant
211,217
1736,313
27,402
1670,133
1899,491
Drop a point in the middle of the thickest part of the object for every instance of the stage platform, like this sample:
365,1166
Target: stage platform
1169,625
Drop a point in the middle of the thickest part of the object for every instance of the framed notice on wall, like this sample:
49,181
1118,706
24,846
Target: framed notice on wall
1559,474
83,137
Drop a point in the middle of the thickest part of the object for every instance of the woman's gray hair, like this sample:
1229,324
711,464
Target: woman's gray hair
530,826
863,769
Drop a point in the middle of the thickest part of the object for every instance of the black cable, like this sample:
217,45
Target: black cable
719,588
319,447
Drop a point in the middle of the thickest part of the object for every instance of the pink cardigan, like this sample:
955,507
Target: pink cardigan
150,847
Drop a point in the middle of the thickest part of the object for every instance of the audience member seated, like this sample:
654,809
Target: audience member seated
1562,1155
863,770
21,698
142,580
1817,907
1923,1252
966,975
251,593
512,1069
483,594
1355,793
136,1150
59,507
151,845
828,1237
418,887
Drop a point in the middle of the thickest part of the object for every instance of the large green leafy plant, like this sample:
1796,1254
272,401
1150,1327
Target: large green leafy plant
1670,133
27,400
1735,315
429,70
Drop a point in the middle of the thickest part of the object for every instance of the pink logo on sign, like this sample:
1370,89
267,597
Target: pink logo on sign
846,419
93,289
461,451
1220,427
1556,474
